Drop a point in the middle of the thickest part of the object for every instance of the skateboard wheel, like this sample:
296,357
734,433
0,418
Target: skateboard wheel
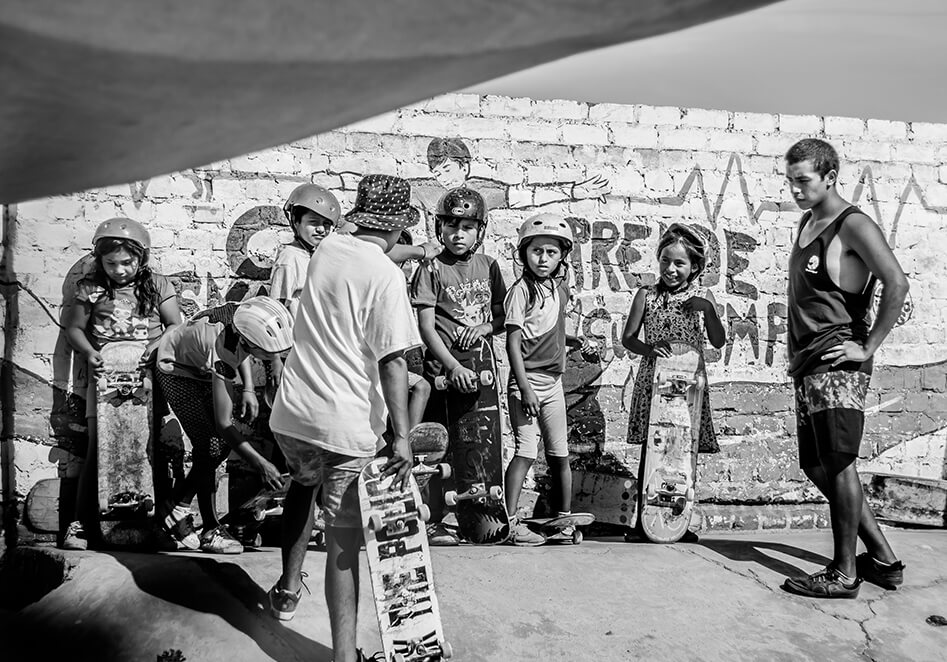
444,470
450,498
374,522
496,492
651,491
148,504
577,537
440,383
146,384
690,494
398,657
486,378
447,651
424,512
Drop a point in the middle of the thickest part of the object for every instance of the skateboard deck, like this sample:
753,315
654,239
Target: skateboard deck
428,445
125,481
552,528
399,564
611,498
50,504
473,425
668,489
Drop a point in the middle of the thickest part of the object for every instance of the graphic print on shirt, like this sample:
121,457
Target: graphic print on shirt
122,323
471,301
812,266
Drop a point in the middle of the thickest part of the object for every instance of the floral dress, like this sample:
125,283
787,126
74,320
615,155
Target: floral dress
665,319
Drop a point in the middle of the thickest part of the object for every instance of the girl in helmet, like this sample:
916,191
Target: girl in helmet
671,311
197,365
536,344
313,212
120,299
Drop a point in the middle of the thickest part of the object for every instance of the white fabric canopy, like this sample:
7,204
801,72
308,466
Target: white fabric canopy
99,92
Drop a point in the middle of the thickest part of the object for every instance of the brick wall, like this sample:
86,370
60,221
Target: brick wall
620,174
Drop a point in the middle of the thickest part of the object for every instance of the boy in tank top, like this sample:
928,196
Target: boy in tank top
838,257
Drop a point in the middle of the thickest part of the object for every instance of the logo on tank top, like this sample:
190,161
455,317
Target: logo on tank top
812,266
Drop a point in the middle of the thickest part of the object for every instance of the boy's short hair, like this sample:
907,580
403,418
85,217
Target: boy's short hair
823,156
443,149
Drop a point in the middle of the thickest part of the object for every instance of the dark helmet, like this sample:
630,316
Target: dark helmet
463,203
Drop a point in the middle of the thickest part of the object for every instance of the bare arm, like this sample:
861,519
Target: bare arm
248,400
629,337
170,314
223,420
393,373
865,238
514,337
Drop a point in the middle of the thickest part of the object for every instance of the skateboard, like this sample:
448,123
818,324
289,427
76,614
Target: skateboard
125,481
399,563
473,425
611,498
247,523
428,445
668,488
553,528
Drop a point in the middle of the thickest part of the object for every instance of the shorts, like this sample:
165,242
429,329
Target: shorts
830,413
337,475
551,423
413,379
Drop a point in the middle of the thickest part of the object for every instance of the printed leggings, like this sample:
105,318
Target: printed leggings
192,401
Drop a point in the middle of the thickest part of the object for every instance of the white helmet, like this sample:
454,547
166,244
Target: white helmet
546,225
266,323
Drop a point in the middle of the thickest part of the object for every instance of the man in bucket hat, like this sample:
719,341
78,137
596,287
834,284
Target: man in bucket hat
346,375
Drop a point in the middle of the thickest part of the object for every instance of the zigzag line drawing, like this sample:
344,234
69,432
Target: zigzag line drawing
755,211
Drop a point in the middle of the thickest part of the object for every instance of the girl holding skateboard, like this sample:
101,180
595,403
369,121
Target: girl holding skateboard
120,299
535,308
671,311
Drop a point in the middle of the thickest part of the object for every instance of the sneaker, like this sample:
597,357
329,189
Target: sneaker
219,541
439,535
827,583
377,657
74,538
888,577
523,536
182,531
283,603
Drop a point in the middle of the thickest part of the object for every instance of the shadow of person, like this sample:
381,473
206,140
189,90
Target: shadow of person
752,551
223,589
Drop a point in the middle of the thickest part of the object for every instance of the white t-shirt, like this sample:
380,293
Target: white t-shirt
354,311
289,275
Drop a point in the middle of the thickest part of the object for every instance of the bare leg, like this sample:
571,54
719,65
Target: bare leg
562,479
297,526
418,396
513,481
342,589
868,529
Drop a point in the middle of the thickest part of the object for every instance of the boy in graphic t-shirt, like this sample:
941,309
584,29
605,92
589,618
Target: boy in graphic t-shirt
459,299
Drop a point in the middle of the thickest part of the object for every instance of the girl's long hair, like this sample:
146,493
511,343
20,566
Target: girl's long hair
692,244
146,291
534,284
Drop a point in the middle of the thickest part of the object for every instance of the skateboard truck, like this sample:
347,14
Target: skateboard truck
477,492
442,469
485,378
130,501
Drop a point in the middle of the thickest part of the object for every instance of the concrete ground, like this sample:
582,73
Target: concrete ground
718,599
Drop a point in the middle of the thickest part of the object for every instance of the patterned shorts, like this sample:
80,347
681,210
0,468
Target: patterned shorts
336,474
830,414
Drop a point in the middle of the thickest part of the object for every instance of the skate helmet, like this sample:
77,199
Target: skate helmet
315,198
266,323
123,228
546,225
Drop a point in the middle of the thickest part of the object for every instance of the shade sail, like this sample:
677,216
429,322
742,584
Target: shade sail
99,92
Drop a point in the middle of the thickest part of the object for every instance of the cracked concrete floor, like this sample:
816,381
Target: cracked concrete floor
718,599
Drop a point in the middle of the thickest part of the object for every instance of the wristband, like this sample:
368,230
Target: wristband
250,390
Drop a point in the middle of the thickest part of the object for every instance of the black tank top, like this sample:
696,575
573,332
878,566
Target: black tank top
821,314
